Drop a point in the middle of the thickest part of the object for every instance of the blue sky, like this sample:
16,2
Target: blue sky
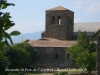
29,15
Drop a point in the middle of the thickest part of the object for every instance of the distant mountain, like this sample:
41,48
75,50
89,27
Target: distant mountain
30,36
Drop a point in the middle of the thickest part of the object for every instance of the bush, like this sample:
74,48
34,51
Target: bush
55,74
12,74
20,73
63,73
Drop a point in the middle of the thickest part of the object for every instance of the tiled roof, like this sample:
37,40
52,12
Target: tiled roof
90,27
58,8
48,42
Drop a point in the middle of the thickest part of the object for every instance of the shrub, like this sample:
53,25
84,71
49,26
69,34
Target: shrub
12,74
63,73
55,74
20,73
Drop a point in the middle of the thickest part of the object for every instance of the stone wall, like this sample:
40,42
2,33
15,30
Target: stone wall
53,57
62,31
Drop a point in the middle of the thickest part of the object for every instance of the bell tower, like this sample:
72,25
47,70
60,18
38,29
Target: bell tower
59,23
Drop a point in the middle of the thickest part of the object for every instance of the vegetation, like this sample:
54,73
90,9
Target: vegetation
63,73
5,24
19,73
55,74
84,52
18,56
4,63
30,49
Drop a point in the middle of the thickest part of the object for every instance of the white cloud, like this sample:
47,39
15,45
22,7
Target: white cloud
28,28
88,5
93,7
78,4
78,20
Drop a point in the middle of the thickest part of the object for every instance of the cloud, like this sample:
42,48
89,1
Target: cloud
94,7
28,28
78,20
78,4
88,6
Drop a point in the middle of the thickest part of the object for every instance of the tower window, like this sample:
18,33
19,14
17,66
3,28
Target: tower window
53,20
56,55
59,20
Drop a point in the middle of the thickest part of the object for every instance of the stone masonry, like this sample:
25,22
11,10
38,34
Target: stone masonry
59,23
53,57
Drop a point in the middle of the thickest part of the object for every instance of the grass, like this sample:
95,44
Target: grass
75,72
51,73
41,73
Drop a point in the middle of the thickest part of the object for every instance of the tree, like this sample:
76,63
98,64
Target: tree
4,63
30,49
20,55
6,24
84,52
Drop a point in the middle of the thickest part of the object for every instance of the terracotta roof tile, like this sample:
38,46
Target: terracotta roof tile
48,42
58,8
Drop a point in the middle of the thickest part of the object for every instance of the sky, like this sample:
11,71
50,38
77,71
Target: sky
29,15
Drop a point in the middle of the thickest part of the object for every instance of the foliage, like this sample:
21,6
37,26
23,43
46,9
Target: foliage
63,73
4,63
84,52
55,74
20,55
30,49
12,74
6,24
20,73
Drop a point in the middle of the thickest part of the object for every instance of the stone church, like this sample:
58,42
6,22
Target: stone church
60,33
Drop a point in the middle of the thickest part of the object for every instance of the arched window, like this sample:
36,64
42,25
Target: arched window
56,55
53,20
59,20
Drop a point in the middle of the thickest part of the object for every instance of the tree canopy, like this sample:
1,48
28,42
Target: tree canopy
84,52
20,55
